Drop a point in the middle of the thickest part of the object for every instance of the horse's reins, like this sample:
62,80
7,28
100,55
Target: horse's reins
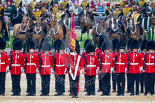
96,29
16,15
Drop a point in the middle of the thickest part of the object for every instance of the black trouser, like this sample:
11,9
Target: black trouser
100,84
85,77
120,83
142,82
105,79
128,83
31,84
134,77
114,81
60,84
2,83
45,83
75,86
4,28
90,84
70,81
16,84
149,83
141,29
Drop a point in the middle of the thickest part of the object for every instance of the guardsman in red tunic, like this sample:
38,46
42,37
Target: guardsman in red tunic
120,67
16,60
135,66
91,64
114,44
3,66
149,67
60,68
31,67
143,52
98,53
83,56
106,67
128,75
46,68
76,66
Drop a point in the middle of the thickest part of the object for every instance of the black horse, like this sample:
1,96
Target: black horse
16,15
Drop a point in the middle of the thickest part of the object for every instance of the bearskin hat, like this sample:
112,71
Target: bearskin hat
18,45
129,42
121,44
86,42
150,45
143,44
100,43
2,43
46,46
61,45
90,47
106,45
56,43
134,44
114,44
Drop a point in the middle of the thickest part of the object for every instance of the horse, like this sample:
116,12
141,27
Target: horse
37,32
134,30
21,30
97,30
8,30
153,19
29,10
15,15
85,22
57,31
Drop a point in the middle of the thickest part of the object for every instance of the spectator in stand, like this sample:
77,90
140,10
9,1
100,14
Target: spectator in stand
9,6
92,5
101,7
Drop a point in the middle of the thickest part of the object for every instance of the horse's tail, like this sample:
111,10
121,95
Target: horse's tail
84,29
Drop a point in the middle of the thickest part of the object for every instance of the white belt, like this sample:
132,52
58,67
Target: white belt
120,63
106,63
149,63
45,65
134,63
60,65
2,63
31,64
91,65
15,65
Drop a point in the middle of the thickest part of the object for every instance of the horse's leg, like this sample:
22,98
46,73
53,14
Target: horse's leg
81,35
152,31
87,32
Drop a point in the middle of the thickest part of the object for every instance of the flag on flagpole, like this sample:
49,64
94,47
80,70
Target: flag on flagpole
72,39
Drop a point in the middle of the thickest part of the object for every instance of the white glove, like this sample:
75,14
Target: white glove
141,69
17,8
97,70
112,69
22,69
7,68
126,70
135,23
52,71
65,71
37,71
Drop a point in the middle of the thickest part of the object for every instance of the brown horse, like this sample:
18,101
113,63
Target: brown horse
153,19
85,22
29,10
7,28
21,30
97,30
37,32
57,31
134,30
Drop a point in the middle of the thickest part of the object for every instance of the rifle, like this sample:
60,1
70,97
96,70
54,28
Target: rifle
25,61
100,62
144,61
10,60
85,63
128,62
115,62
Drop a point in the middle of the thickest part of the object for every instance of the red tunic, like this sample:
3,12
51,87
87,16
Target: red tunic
3,61
92,64
150,63
17,63
32,63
